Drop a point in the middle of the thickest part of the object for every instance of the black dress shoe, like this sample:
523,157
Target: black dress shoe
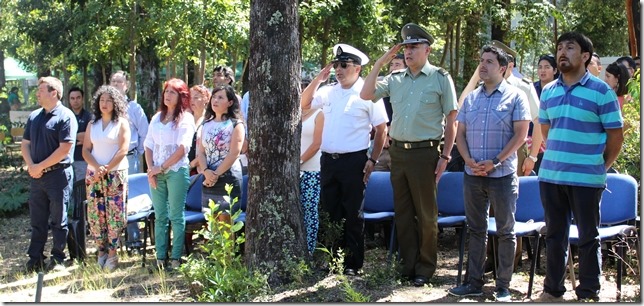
350,272
420,280
35,265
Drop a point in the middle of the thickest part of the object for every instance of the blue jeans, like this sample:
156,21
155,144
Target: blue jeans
479,193
169,201
558,203
49,198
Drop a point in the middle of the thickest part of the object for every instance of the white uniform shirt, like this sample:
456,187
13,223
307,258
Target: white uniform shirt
530,92
347,118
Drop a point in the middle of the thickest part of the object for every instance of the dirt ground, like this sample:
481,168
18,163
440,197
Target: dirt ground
133,283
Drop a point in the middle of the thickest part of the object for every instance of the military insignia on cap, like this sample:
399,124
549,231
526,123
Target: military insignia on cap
339,51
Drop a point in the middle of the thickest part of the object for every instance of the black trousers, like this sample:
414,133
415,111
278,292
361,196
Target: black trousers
342,197
49,197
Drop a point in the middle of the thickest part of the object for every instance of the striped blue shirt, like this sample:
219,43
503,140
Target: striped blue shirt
578,117
489,121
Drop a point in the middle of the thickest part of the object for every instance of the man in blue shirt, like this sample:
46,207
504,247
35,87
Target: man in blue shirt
48,150
582,125
492,124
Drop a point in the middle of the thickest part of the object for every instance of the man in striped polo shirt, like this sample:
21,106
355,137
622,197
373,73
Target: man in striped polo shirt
581,120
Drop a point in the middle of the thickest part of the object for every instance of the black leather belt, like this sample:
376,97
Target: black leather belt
415,144
54,167
131,152
338,155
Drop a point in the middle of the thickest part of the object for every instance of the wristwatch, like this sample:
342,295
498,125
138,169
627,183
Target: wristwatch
533,158
496,162
373,160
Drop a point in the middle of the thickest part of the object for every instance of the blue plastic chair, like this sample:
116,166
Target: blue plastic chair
379,203
138,186
242,202
193,213
451,211
529,217
618,207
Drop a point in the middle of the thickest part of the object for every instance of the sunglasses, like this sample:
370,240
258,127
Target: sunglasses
341,64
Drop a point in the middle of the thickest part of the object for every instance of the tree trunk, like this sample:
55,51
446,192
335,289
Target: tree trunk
3,76
471,45
132,52
148,72
457,49
501,28
87,103
275,234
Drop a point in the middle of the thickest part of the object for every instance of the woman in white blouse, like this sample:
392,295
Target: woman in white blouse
104,148
166,154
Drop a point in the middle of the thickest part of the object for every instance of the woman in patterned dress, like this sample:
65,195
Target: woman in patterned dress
312,123
221,136
104,148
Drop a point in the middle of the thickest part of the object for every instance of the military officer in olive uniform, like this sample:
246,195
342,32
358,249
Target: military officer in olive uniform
424,105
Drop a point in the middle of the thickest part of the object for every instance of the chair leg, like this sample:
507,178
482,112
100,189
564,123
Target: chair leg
533,266
461,251
391,241
621,250
145,241
571,268
541,245
494,256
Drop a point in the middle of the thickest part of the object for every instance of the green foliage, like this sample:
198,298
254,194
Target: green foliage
222,276
628,161
14,196
603,21
351,295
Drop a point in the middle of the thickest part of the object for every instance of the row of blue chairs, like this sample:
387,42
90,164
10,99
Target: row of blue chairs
618,213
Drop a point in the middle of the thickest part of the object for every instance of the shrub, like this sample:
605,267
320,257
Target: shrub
628,161
13,197
221,275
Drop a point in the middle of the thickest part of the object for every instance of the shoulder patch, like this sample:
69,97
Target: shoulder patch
443,71
526,80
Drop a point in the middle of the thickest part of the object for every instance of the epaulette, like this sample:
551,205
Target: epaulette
526,80
443,71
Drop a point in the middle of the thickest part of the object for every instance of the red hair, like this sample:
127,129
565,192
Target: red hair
181,87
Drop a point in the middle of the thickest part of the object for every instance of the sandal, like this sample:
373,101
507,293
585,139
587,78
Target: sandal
101,260
111,263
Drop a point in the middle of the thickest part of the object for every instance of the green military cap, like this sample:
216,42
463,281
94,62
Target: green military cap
502,46
413,34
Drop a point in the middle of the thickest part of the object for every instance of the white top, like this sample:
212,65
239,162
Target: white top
216,138
164,139
308,128
105,143
530,92
347,118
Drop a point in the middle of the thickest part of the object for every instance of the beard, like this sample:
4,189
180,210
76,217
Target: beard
565,67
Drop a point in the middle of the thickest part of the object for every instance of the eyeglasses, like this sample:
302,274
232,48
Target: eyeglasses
341,64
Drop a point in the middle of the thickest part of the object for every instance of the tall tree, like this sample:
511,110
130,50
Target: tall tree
274,232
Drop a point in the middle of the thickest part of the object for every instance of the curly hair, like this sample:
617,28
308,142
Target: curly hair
120,104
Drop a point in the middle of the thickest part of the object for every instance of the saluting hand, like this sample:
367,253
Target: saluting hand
325,73
387,57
